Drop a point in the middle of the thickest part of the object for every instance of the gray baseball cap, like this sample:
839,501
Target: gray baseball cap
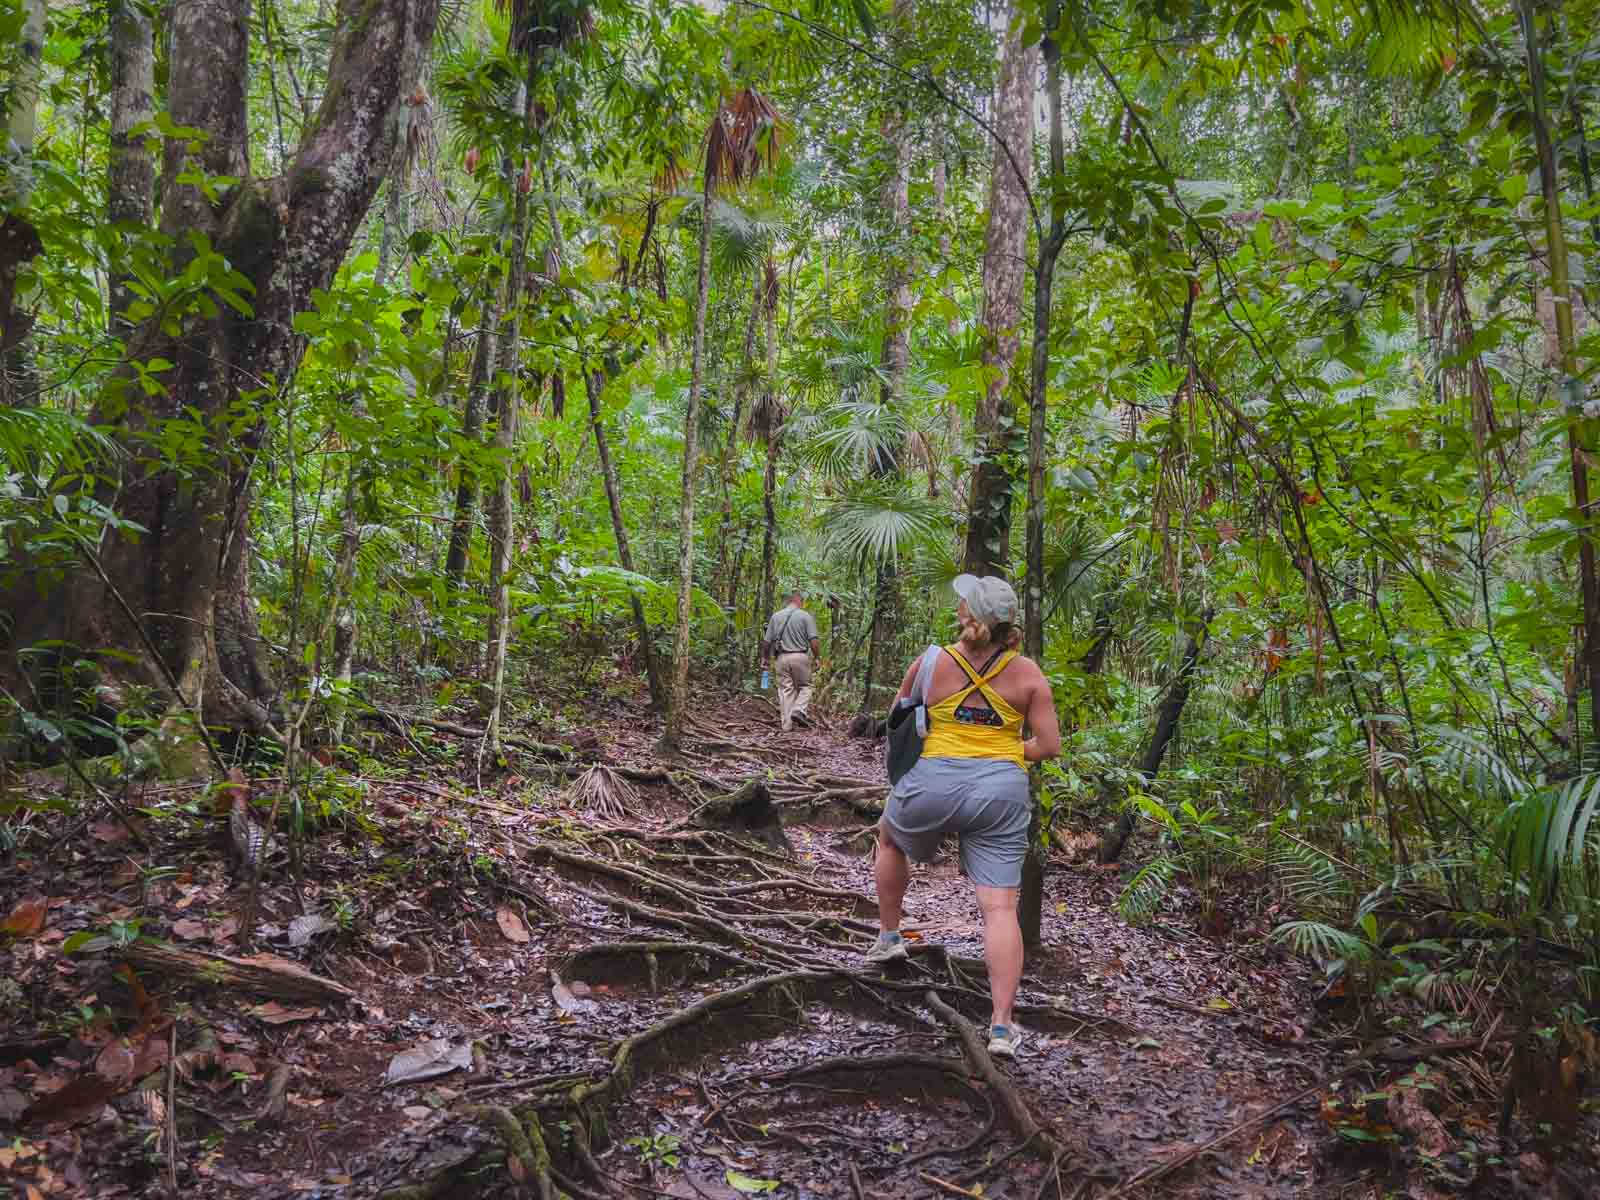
990,599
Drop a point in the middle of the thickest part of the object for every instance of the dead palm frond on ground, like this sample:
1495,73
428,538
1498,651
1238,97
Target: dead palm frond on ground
603,792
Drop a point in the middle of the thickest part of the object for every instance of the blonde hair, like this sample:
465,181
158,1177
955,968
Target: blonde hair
976,635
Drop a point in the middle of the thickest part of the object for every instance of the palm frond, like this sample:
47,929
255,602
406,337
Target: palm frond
38,440
1323,942
1311,877
601,791
743,139
874,521
1141,899
1547,829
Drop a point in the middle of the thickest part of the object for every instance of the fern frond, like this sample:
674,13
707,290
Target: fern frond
1323,942
1308,875
1146,890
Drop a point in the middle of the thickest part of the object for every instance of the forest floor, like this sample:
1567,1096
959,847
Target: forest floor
566,952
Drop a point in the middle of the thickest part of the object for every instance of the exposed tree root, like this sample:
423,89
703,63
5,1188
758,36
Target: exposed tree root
696,886
1016,1108
538,749
527,1159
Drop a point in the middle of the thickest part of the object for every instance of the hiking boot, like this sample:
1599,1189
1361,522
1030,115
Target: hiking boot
800,719
890,947
1004,1040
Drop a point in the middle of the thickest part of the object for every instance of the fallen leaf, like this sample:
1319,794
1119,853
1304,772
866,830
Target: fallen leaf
417,1112
749,1184
11,1155
511,925
578,988
428,1060
1218,1004
236,1062
12,1105
274,1013
79,1100
26,919
303,929
226,930
189,929
127,1060
109,832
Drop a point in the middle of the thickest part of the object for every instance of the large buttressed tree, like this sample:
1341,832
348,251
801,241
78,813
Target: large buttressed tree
160,600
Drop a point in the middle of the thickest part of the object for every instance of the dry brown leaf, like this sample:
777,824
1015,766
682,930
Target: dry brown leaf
189,929
109,832
242,1063
274,1013
79,1100
511,925
26,919
128,1059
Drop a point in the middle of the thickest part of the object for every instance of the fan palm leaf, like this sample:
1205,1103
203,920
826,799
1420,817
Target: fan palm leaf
874,521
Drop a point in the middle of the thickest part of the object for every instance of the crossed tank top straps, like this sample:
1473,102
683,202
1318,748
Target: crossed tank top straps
958,730
978,679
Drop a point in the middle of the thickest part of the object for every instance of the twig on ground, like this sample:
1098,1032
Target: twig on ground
172,1110
973,1176
944,1185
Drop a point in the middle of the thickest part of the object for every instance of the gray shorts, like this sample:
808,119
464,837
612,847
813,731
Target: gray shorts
983,799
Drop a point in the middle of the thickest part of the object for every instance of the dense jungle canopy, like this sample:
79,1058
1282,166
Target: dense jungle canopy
448,391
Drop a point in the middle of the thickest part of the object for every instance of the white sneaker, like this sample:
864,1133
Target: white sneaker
890,947
1004,1040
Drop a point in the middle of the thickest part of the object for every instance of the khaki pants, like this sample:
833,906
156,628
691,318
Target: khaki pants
794,687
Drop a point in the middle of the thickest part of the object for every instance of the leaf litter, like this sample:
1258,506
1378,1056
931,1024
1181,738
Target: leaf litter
350,1100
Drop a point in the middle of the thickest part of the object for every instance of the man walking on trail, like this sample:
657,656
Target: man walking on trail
791,642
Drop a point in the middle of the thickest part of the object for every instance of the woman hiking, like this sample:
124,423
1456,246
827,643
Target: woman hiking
971,780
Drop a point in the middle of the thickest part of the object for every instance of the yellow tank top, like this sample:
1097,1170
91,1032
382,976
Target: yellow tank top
996,733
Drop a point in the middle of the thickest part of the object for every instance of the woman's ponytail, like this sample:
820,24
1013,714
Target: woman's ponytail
976,634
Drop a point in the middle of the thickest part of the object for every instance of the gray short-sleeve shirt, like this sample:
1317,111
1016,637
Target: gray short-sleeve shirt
791,630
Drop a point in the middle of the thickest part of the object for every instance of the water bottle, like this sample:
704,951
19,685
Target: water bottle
766,680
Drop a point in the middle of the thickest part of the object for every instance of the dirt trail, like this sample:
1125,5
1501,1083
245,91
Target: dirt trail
670,1011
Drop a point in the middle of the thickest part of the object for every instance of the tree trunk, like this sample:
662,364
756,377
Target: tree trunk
346,629
766,596
741,393
502,531
19,240
1116,835
1031,904
1005,247
594,385
1572,388
678,704
953,424
455,562
895,199
171,611
131,172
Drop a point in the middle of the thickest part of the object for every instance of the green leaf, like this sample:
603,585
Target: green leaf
750,1185
1514,188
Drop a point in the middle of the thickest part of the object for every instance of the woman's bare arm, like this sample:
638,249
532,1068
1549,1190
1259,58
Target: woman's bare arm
1046,727
910,681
